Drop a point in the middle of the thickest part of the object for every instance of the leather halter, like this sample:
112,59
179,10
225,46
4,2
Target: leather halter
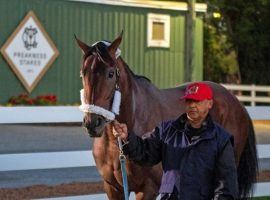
91,108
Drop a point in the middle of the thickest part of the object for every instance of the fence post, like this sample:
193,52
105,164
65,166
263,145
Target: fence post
253,95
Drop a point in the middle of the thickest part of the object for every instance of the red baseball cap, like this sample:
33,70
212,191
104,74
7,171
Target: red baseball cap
198,91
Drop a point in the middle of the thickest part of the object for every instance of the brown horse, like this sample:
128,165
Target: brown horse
143,106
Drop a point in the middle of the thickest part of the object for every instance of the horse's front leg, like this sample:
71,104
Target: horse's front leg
112,192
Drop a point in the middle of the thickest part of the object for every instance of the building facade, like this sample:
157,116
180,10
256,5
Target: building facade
153,43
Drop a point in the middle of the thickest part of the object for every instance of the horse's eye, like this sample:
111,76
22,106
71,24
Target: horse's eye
111,74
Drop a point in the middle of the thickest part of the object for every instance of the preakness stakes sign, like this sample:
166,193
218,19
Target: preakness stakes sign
29,51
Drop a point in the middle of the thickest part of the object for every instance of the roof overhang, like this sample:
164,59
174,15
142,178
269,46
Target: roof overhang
169,5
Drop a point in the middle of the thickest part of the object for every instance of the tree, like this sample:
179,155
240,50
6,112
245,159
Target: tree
220,62
247,28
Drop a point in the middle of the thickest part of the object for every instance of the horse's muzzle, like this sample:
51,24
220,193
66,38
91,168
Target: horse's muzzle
95,125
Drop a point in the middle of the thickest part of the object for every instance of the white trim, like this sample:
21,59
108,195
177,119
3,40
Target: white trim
46,160
52,160
262,189
116,102
253,98
86,108
259,112
62,114
40,114
165,19
91,108
263,150
168,5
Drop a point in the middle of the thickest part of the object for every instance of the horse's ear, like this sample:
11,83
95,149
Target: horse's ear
115,44
84,47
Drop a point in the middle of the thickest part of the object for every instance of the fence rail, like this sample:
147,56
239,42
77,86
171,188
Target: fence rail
253,98
60,114
69,114
66,159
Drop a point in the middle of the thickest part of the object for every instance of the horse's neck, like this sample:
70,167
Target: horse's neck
144,106
149,106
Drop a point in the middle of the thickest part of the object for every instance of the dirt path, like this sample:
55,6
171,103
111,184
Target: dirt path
43,191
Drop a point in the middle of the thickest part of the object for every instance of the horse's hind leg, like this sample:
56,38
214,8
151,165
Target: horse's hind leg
112,192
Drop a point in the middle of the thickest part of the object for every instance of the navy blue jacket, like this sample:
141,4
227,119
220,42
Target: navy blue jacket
202,167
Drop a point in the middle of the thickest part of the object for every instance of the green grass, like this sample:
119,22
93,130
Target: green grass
261,198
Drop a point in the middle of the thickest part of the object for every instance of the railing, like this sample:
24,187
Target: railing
71,114
253,90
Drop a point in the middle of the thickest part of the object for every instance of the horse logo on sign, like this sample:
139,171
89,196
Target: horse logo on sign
29,37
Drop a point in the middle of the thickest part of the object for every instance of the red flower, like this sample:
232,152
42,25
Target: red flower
25,99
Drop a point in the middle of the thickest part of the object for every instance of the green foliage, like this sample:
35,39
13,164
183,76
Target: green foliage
246,26
251,34
220,62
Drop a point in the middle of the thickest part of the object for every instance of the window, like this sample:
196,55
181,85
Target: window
158,32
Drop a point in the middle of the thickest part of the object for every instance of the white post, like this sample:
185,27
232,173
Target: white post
253,95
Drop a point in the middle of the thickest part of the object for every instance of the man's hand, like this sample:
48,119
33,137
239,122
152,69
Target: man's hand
120,130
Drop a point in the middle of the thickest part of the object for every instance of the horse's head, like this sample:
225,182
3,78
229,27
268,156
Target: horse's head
100,76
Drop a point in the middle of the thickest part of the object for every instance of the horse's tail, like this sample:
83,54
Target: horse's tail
248,166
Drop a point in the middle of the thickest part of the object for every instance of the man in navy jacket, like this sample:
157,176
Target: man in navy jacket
196,153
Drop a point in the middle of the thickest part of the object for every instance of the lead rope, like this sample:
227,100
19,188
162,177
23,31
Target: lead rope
122,159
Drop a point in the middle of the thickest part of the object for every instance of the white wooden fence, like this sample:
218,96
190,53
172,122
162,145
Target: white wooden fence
69,114
60,114
253,98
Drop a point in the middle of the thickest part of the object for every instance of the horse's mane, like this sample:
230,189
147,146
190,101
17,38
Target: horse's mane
102,48
138,77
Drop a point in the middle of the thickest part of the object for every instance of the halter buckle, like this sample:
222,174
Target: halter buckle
117,72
